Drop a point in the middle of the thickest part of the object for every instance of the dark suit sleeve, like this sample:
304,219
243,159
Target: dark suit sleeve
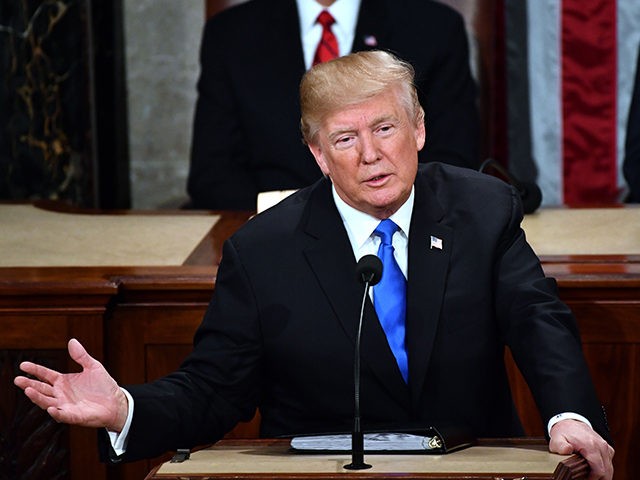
219,177
449,95
217,385
631,164
542,333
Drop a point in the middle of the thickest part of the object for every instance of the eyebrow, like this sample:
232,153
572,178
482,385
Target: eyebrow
377,121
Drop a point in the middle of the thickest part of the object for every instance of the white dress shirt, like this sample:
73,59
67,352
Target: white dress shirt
360,227
344,12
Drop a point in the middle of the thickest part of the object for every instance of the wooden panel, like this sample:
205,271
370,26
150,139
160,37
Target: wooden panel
39,314
610,332
608,322
616,370
34,446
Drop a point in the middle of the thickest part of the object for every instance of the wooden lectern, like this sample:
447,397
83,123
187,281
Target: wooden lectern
273,459
133,287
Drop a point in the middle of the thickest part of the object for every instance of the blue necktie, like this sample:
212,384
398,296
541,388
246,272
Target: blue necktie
389,296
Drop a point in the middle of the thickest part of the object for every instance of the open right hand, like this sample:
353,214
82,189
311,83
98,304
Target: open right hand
91,398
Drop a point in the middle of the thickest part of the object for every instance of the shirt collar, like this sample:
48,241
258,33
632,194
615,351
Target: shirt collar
345,13
361,225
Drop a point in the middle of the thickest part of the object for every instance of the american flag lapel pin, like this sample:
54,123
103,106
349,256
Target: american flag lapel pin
370,41
435,243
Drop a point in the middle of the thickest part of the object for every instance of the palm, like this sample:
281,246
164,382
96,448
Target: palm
85,398
90,398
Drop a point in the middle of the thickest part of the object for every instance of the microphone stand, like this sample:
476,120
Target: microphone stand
357,438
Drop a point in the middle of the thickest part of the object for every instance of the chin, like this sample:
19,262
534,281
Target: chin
384,207
385,199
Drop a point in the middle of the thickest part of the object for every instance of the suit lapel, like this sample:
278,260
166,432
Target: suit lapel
330,255
373,28
331,258
428,264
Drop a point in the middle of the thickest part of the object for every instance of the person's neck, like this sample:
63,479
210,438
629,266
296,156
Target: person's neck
326,3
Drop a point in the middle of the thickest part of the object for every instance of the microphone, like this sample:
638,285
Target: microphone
369,272
530,193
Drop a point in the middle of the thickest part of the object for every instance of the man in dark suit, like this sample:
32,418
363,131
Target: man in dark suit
245,133
279,333
631,163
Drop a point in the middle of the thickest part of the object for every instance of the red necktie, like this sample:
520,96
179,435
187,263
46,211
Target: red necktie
328,46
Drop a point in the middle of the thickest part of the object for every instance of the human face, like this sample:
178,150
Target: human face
370,152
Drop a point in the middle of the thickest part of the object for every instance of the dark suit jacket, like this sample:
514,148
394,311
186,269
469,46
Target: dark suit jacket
279,333
631,163
246,134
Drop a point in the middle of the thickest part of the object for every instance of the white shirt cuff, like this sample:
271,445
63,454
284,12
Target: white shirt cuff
119,440
566,416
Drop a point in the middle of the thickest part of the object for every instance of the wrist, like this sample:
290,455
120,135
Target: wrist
565,416
121,411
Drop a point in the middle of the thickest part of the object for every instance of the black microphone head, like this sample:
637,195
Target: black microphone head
531,196
369,269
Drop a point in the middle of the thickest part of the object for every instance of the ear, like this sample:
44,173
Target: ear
420,135
316,151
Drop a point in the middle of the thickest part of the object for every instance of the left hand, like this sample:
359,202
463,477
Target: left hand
572,436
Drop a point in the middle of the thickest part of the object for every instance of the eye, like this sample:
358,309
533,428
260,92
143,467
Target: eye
385,129
344,141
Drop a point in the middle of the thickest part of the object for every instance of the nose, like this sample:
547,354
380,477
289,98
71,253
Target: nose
369,152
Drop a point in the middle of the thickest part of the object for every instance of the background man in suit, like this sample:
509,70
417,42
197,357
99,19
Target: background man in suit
279,333
631,164
246,133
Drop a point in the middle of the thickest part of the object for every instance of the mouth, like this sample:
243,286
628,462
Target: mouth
377,179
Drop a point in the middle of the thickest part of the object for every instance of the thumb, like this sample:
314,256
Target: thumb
79,355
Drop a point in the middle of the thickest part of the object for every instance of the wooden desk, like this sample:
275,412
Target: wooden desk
137,317
602,287
140,319
272,459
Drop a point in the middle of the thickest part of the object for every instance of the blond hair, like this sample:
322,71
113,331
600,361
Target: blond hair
350,80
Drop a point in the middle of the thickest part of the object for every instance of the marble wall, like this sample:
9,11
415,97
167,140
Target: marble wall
45,113
61,134
162,41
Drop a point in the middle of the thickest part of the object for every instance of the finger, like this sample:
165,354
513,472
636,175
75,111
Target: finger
43,373
559,444
79,354
41,400
21,382
597,471
600,462
43,388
